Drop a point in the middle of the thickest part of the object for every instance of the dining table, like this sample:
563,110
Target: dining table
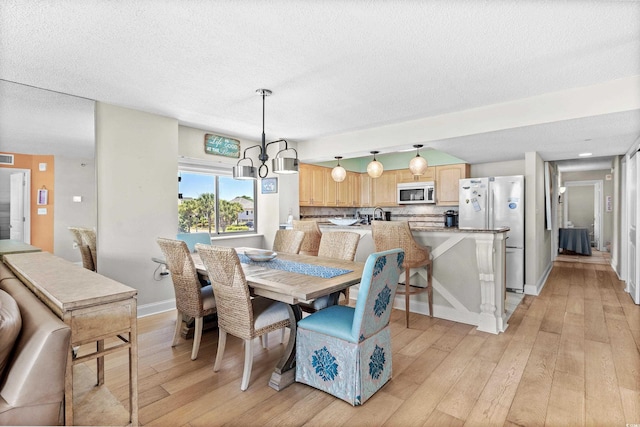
293,278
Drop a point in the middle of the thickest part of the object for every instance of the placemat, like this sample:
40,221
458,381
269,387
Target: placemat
297,267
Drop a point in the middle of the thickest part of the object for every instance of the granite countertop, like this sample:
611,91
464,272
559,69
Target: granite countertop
416,228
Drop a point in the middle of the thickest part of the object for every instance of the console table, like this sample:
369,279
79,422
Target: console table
95,308
15,247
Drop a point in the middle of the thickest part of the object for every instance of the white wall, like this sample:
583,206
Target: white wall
537,237
137,186
514,167
73,177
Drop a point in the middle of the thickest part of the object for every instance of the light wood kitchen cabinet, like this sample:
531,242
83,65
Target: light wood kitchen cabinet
365,190
405,175
446,179
383,189
348,191
312,185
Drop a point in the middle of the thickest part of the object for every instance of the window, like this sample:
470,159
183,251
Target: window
200,210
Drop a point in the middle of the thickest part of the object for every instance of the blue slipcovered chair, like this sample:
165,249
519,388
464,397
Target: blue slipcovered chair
192,238
346,351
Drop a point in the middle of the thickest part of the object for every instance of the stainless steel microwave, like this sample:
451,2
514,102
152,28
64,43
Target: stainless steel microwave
410,193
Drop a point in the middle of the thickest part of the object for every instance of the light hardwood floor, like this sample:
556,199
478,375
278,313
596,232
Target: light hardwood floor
570,357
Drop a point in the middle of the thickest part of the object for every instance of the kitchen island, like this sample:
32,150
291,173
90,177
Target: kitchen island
469,284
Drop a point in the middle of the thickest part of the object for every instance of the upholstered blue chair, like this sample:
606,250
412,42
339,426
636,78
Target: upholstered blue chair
192,238
346,351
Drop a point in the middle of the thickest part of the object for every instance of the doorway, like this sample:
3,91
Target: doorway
15,204
582,208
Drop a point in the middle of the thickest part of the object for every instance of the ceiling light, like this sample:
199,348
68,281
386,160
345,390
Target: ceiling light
418,165
279,164
585,154
375,168
338,173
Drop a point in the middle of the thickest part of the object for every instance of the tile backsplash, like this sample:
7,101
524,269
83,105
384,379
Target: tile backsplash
421,215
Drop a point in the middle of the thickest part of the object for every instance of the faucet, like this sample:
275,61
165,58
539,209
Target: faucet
381,213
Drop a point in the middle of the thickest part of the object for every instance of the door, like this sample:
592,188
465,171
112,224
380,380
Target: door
582,202
16,207
632,217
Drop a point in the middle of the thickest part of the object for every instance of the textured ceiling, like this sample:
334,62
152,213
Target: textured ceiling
334,66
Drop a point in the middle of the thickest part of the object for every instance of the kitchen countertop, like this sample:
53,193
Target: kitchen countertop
417,228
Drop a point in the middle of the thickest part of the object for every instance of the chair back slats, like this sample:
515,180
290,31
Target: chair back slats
377,292
288,241
312,235
339,245
233,299
397,234
85,238
184,276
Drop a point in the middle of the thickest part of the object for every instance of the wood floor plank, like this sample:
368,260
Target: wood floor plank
626,358
445,373
530,403
417,408
603,401
554,317
594,322
463,395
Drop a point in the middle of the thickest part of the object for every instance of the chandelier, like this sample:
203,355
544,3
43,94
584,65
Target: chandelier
284,165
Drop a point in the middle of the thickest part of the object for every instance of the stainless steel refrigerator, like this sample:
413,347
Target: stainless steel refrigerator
493,202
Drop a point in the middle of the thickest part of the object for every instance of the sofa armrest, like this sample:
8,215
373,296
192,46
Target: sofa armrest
35,374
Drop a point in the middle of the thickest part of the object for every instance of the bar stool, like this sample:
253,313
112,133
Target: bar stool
396,234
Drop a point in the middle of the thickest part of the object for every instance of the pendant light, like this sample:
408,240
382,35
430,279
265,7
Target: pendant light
285,165
375,168
418,165
338,173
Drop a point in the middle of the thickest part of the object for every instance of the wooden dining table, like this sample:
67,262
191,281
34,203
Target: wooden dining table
291,288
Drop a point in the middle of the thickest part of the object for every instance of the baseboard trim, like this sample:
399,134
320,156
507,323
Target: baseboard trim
156,307
537,288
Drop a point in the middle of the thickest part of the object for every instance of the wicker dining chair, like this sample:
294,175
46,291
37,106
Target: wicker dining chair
338,245
397,234
83,246
192,299
288,241
239,314
312,234
89,236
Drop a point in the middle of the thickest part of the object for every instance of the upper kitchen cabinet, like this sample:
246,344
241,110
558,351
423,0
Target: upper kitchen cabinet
383,189
312,185
405,175
446,179
365,190
348,191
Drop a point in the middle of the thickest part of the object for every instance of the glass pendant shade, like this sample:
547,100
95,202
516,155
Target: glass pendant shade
418,165
338,173
375,168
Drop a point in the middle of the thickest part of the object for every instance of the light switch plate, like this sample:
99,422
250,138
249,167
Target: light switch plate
77,198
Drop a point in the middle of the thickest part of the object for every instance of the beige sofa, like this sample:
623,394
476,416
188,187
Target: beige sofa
32,381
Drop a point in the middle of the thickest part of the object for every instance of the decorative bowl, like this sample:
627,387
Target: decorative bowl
343,221
260,255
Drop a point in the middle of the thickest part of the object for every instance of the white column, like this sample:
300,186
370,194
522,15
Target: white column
491,272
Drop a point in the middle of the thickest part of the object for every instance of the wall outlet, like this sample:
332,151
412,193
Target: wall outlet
163,270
